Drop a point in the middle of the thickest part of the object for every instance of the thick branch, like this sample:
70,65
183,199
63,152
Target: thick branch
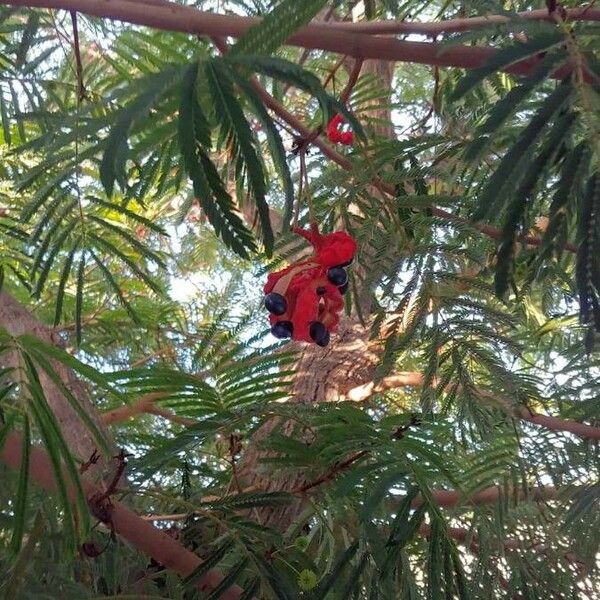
460,25
452,498
174,17
137,531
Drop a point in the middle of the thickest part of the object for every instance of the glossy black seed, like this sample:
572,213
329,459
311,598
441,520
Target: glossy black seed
319,333
283,329
337,276
343,288
321,291
275,303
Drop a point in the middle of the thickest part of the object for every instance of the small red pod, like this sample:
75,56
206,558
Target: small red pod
335,133
305,299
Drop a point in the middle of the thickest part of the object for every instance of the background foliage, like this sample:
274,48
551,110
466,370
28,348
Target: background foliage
141,205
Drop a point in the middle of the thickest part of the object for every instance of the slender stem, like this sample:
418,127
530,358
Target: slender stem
354,74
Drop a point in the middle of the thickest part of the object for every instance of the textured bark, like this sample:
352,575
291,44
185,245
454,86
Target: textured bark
322,375
17,320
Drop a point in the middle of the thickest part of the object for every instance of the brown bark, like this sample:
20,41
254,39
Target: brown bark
17,320
322,375
452,498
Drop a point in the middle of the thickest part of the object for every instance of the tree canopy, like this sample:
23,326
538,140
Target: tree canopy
156,441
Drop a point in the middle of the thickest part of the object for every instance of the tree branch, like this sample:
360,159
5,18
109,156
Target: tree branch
452,498
131,527
460,25
333,37
145,405
364,392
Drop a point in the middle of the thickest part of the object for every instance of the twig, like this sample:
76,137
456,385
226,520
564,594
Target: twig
352,79
81,93
331,474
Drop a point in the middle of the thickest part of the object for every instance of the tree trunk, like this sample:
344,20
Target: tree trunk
322,374
17,320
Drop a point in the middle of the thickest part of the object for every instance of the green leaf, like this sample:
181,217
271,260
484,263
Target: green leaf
86,419
112,284
98,378
57,451
354,580
334,575
113,250
235,127
294,74
277,26
27,38
128,213
251,589
64,276
210,562
516,209
274,141
508,105
51,256
112,167
251,500
20,504
5,120
504,58
208,187
588,265
491,197
79,298
229,579
573,171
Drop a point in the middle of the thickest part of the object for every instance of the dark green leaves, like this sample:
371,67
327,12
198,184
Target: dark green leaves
493,194
505,57
194,141
234,128
588,261
20,506
295,75
211,561
516,209
112,167
508,105
277,26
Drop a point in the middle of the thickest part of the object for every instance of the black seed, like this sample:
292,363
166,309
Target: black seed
283,329
337,276
275,303
319,333
321,291
343,288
